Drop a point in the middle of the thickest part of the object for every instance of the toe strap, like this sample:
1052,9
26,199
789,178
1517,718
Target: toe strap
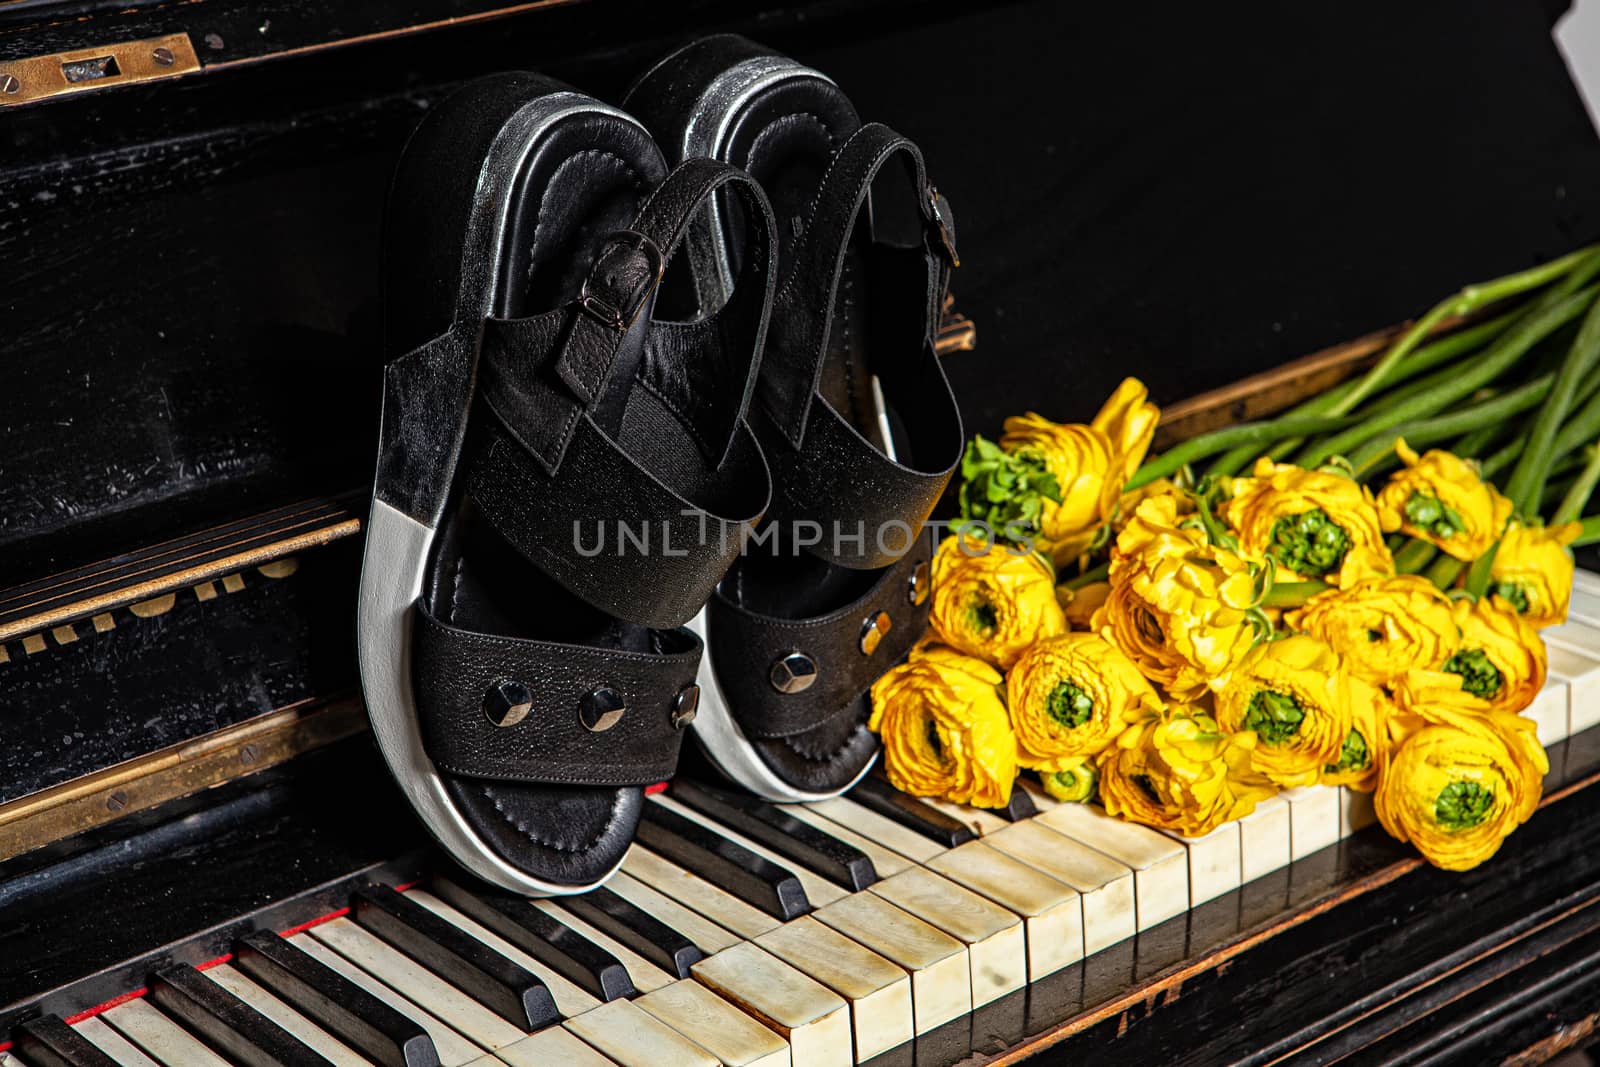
514,709
785,676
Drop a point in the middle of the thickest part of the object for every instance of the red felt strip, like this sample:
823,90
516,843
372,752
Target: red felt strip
652,790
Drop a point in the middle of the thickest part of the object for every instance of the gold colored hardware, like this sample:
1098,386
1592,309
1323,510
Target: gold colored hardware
23,81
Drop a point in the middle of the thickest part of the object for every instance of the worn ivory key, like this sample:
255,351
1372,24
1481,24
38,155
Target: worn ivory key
814,1020
634,1038
730,1035
1104,886
941,981
112,1043
1313,819
141,1023
551,1045
878,992
1051,911
1581,672
1160,865
302,1029
1264,839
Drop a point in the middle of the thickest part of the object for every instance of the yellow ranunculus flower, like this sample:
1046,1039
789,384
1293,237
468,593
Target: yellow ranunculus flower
944,728
1177,604
1441,499
1074,783
1533,571
1130,501
1295,696
1079,605
1070,696
1501,658
1364,746
1383,627
1462,776
1091,464
1313,524
992,602
1180,773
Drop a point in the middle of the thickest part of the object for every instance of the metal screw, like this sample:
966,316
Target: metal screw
117,801
249,754
162,56
793,673
872,632
684,706
600,709
507,703
919,586
9,84
213,41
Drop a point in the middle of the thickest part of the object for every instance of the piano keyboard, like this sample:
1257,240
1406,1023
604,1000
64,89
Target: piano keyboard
737,933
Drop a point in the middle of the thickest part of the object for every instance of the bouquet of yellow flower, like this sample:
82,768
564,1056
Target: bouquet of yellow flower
1348,594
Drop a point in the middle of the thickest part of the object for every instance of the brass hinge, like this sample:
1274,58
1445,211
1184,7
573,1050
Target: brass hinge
23,81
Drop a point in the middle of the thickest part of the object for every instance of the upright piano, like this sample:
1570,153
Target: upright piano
202,860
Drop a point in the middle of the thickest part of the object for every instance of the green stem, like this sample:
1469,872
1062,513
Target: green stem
1170,461
1466,301
1581,490
1590,534
1089,577
1478,574
1474,443
1427,432
1444,571
1423,359
1413,556
1495,360
1293,594
1506,456
1527,480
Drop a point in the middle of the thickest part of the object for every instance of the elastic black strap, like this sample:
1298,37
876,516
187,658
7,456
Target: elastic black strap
748,644
555,483
459,674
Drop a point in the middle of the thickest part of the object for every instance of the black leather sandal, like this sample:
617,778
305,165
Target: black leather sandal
854,413
525,668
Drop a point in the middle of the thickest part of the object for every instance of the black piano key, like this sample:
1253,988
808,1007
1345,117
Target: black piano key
769,825
875,792
635,928
725,864
335,1003
50,1042
543,937
503,986
1020,807
227,1023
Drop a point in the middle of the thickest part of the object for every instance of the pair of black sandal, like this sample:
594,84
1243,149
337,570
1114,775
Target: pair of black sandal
663,365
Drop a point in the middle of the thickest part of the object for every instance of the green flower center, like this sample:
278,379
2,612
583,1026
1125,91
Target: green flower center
1479,677
1514,594
1148,788
1069,705
983,617
1463,805
1354,755
1275,717
1308,543
1426,512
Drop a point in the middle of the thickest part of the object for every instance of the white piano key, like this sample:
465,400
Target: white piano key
1213,862
646,976
814,1020
996,940
112,1043
1584,605
818,889
1582,675
394,968
634,1038
569,999
706,935
1313,819
1160,865
552,1045
1586,580
309,1033
878,992
1105,887
941,976
162,1039
730,1035
981,821
1051,911
886,832
1355,811
885,861
453,1049
1578,634
1264,844
11,1059
1550,711
690,889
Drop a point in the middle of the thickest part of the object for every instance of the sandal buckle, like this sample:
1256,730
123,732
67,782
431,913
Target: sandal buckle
938,214
617,288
